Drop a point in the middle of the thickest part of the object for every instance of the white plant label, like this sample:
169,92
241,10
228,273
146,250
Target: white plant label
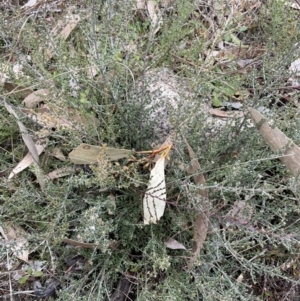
154,201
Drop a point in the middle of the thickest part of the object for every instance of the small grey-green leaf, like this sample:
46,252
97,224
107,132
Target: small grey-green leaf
37,274
23,279
216,101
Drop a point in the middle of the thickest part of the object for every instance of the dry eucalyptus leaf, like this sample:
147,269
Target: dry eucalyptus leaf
26,161
226,114
200,232
49,117
54,117
113,245
14,237
36,97
278,142
172,243
154,201
195,169
153,11
59,173
6,78
25,135
201,222
87,154
64,34
16,90
73,21
58,27
57,153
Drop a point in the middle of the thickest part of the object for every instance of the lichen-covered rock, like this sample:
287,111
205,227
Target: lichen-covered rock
162,105
160,98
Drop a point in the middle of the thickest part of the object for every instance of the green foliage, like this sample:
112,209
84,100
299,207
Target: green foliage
30,273
247,255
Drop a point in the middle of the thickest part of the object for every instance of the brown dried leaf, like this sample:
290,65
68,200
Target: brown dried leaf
74,20
57,153
31,147
198,177
200,232
55,30
55,117
278,142
16,90
59,173
64,34
201,222
153,11
26,161
15,237
48,54
226,114
25,135
36,97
